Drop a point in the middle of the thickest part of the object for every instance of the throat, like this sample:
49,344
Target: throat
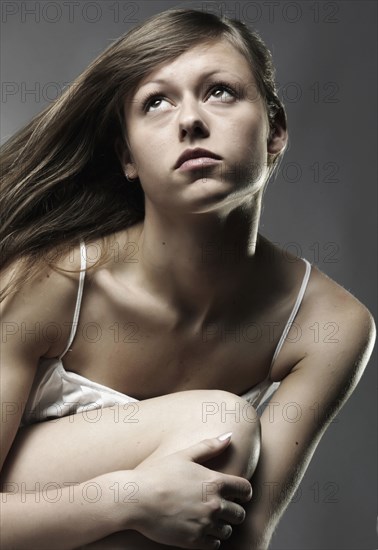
196,262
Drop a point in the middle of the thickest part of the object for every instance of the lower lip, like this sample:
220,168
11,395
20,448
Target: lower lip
198,163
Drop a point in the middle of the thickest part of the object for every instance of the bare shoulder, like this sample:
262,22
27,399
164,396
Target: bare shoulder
37,319
54,286
54,267
44,303
329,298
339,326
331,321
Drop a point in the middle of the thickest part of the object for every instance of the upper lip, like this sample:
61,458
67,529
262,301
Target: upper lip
195,154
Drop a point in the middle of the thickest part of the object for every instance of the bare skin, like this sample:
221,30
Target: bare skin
157,433
153,334
172,321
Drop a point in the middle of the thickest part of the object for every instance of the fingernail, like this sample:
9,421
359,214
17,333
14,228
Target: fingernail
223,437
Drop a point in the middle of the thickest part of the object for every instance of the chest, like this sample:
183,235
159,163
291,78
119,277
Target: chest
139,352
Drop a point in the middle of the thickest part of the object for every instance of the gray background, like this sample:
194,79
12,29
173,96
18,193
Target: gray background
322,205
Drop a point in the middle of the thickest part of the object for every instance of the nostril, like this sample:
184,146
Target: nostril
194,127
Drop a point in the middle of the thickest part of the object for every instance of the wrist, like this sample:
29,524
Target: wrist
120,492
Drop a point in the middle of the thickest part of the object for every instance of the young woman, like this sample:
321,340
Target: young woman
145,315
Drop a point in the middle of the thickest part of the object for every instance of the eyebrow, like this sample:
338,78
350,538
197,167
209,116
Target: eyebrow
206,75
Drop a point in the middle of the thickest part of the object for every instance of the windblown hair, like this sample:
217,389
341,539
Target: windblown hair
62,180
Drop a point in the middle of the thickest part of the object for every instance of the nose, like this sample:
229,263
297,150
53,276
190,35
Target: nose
191,122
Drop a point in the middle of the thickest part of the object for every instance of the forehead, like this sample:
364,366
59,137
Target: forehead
215,56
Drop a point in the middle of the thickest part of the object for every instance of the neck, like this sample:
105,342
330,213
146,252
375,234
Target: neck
197,262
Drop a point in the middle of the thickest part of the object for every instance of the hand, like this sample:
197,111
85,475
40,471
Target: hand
186,505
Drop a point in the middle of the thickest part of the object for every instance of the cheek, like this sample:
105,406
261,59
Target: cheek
248,143
151,151
248,133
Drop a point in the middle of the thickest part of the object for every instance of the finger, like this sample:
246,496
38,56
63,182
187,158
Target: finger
221,531
236,488
232,513
206,449
210,543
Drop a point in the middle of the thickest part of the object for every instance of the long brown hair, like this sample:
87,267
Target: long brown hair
61,178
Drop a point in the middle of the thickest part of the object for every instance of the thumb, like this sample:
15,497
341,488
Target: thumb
207,448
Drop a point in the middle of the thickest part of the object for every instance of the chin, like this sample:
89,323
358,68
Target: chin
214,199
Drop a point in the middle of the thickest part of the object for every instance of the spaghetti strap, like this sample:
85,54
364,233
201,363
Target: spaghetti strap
83,265
293,313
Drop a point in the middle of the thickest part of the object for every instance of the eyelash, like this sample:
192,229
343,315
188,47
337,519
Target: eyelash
230,89
157,95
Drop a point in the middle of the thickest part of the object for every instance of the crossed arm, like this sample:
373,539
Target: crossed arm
312,393
297,417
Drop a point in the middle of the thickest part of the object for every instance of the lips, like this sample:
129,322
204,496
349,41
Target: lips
189,154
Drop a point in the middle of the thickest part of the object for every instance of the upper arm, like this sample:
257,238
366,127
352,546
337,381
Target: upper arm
300,411
25,318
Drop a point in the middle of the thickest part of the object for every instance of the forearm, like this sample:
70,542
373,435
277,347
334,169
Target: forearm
63,518
251,535
263,512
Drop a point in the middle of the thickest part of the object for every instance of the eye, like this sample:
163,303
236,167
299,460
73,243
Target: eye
155,102
223,93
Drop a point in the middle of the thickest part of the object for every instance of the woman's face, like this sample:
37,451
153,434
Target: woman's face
207,98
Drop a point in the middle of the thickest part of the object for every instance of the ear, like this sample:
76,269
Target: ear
125,158
277,139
